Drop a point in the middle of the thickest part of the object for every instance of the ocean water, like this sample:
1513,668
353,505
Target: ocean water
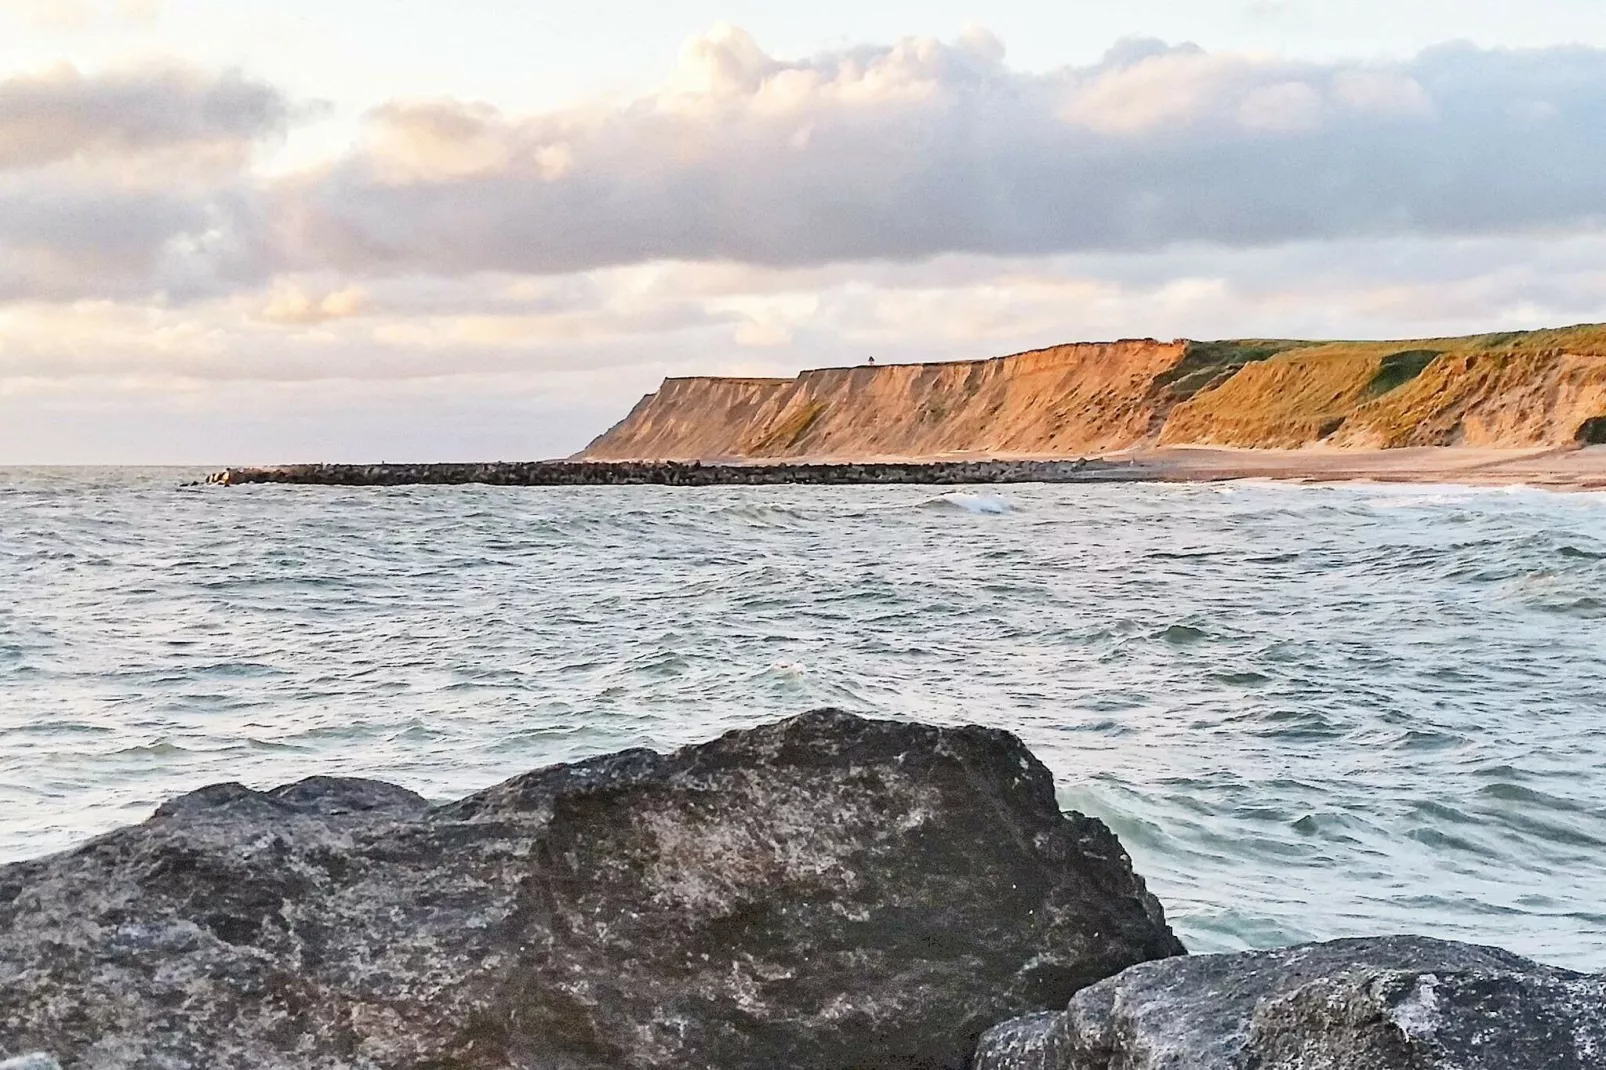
1309,711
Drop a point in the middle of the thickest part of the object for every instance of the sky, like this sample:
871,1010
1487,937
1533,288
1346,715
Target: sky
365,230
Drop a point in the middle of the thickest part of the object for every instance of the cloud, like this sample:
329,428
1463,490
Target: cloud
292,304
63,240
923,148
921,200
431,367
62,115
81,14
132,182
644,321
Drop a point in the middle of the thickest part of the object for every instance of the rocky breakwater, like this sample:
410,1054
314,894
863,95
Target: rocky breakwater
827,892
682,474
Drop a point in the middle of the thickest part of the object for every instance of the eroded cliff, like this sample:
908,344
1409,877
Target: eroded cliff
1537,388
1070,399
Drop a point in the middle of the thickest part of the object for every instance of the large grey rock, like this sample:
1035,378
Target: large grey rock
827,892
1389,1003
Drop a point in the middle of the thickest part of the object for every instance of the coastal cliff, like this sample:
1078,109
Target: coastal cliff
1514,390
1072,399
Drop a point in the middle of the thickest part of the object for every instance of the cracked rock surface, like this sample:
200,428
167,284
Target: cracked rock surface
1385,1003
826,892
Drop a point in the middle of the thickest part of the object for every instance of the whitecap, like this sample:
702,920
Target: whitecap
980,504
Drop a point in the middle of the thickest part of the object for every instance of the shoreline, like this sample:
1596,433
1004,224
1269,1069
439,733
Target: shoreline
1564,468
1569,468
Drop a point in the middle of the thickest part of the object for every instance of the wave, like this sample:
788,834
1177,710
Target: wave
978,504
1208,668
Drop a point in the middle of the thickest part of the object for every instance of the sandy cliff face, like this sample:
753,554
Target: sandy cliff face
1292,399
689,419
1534,388
1069,399
1539,388
1497,399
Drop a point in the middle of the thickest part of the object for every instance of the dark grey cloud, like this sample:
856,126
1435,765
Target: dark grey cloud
923,148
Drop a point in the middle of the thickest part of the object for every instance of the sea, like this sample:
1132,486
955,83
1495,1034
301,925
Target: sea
1309,711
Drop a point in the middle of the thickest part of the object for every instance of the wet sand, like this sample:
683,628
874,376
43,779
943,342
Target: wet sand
1570,468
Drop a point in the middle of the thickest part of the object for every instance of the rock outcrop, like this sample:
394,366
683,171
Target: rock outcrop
1389,1003
1521,389
827,892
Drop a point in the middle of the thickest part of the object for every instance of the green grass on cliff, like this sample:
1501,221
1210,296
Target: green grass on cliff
1284,393
1209,364
1397,369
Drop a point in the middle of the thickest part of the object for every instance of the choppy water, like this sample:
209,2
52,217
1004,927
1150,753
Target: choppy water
1308,711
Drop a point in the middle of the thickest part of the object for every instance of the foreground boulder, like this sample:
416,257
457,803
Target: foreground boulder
1389,1003
826,892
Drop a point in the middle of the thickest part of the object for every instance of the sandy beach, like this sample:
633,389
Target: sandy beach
1570,468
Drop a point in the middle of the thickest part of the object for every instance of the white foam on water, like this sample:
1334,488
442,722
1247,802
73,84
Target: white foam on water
980,504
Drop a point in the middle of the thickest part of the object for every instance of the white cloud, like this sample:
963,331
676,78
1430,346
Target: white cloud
695,316
900,152
291,303
435,368
913,202
1284,108
81,14
922,148
1382,92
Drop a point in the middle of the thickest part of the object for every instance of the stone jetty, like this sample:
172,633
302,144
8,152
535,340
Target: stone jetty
683,473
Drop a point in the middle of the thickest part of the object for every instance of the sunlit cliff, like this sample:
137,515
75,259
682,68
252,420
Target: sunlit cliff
1537,388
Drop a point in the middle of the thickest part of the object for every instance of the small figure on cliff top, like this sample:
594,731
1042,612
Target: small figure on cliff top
869,360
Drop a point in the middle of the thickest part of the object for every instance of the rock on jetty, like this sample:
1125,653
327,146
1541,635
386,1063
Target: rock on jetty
682,474
1389,1003
824,893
